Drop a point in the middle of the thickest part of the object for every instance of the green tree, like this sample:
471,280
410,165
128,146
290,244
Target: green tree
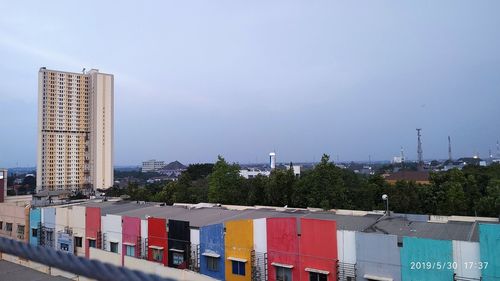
281,187
225,183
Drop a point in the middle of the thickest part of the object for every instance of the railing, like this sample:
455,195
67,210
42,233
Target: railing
259,266
346,271
78,265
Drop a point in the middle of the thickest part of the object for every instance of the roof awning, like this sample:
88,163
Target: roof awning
282,265
90,238
113,241
375,277
236,259
308,269
176,250
128,244
155,247
213,255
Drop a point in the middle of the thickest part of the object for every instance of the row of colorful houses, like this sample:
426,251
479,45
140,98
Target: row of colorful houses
261,244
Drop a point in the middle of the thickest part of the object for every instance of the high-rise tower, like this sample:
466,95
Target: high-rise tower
420,151
75,130
272,160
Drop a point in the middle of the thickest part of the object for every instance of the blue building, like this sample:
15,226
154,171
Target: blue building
489,248
426,259
212,254
35,223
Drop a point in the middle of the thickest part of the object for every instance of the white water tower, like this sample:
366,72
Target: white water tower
272,160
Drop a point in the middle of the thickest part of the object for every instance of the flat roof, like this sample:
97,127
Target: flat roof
397,224
113,207
15,272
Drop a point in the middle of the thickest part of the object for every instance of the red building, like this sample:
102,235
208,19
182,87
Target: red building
318,250
131,237
92,229
301,249
283,248
157,240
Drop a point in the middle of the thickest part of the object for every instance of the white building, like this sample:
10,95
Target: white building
296,170
252,173
75,130
152,165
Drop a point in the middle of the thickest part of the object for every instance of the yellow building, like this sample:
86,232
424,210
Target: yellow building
238,250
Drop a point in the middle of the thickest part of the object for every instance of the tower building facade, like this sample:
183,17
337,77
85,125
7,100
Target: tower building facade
75,130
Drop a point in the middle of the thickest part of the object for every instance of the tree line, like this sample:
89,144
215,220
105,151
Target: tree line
473,191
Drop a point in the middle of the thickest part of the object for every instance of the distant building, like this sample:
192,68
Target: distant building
421,177
365,170
152,165
172,170
296,170
397,159
252,173
75,130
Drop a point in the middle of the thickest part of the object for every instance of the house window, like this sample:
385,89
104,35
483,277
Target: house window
238,268
78,241
64,247
283,274
130,250
1,225
177,258
114,247
20,231
158,255
92,243
212,264
34,232
8,226
313,276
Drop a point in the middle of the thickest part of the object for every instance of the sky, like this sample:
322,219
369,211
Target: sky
195,79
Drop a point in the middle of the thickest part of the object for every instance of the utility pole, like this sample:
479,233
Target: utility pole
449,149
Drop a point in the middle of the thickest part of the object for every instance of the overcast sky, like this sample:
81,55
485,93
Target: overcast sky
194,79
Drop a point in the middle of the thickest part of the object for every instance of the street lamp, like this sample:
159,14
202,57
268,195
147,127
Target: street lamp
386,199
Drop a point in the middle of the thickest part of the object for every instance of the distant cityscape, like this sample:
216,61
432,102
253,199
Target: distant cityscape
232,221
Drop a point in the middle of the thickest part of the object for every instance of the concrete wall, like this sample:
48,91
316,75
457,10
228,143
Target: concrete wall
102,130
260,235
346,246
48,217
17,216
260,247
212,242
112,231
105,256
489,245
76,222
61,219
195,236
418,253
465,253
377,255
144,236
165,272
